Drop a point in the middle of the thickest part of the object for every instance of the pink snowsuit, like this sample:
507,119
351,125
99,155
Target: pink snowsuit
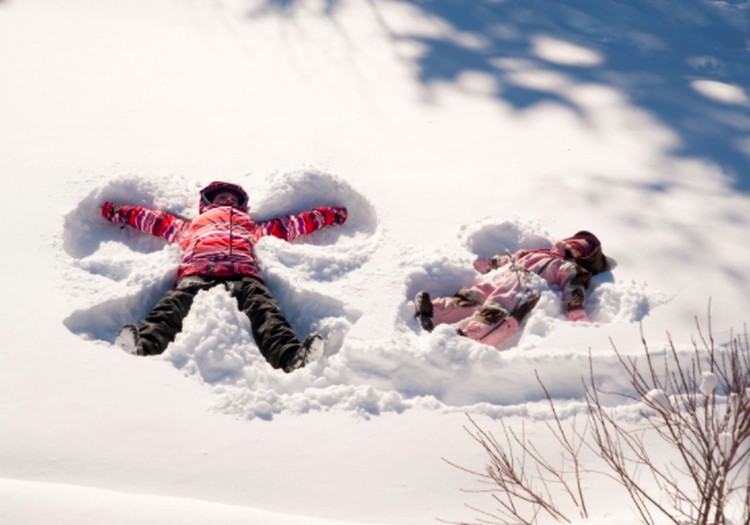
490,310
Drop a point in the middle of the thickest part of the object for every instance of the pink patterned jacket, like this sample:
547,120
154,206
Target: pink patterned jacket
221,240
553,266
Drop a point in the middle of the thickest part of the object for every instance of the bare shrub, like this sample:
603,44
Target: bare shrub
697,402
711,438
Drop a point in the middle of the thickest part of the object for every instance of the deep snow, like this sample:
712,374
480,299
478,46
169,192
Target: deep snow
450,129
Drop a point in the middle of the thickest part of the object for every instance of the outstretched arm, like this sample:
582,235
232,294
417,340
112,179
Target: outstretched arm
159,223
292,226
574,293
486,265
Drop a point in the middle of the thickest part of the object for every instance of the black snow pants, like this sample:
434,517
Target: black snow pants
271,331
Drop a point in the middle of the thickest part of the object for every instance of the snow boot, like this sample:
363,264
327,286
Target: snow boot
127,339
311,350
423,310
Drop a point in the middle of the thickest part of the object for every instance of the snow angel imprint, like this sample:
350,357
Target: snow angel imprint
491,310
218,249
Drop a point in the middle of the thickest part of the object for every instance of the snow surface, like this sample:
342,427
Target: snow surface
450,129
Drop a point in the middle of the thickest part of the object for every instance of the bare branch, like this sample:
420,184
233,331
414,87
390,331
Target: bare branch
697,402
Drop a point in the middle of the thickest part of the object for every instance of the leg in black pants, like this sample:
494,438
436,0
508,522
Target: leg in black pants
164,321
272,333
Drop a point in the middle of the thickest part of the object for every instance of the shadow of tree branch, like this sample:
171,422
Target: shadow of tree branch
655,53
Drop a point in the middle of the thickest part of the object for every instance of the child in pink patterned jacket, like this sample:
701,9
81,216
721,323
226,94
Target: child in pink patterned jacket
491,310
218,249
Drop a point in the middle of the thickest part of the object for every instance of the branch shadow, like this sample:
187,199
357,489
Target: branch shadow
684,63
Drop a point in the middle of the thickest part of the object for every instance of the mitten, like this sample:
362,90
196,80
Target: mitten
577,315
108,211
340,215
483,265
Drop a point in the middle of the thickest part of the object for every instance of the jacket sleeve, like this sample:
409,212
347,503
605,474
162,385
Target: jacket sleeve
158,223
292,226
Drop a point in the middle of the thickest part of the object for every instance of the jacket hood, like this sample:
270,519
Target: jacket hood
592,258
207,194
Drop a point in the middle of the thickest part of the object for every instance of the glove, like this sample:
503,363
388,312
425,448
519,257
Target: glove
482,265
578,316
108,211
340,215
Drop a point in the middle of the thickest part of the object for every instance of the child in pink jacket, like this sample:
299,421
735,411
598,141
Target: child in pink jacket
491,310
218,249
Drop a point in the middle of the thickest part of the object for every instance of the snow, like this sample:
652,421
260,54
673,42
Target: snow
449,130
708,383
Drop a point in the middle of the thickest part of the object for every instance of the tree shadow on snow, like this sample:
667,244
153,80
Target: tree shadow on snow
662,56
